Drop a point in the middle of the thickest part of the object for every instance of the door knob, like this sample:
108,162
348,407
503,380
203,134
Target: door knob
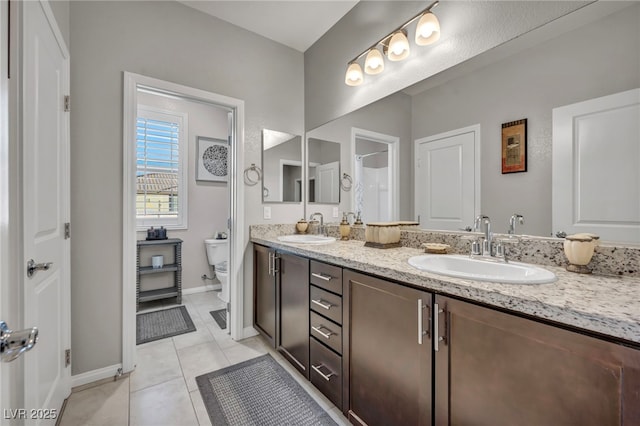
33,267
15,343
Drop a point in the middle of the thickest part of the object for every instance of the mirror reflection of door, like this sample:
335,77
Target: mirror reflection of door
323,171
375,175
281,167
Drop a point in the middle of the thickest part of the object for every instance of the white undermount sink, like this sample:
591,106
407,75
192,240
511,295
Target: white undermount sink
482,270
306,239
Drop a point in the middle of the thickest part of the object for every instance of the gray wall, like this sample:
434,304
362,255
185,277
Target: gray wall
592,61
169,41
468,28
60,10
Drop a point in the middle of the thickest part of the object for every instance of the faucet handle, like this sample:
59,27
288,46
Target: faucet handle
500,251
475,248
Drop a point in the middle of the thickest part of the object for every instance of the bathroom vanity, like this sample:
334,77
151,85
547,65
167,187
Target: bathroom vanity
410,347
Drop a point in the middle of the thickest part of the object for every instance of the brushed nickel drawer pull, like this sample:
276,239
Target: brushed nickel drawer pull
322,304
322,333
317,368
321,276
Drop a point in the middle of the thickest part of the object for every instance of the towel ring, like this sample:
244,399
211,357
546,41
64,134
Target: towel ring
248,176
346,182
265,192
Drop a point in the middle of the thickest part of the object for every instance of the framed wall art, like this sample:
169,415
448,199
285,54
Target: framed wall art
514,146
212,158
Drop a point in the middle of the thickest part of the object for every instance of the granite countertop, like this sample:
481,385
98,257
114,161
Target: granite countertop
606,305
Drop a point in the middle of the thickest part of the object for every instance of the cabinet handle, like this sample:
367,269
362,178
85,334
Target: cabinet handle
421,331
322,333
436,327
270,263
317,368
275,257
322,304
322,277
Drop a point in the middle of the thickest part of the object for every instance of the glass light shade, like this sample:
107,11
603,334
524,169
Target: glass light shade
427,30
398,47
374,64
354,75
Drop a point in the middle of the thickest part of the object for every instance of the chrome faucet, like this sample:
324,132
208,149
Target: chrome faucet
321,229
512,222
487,244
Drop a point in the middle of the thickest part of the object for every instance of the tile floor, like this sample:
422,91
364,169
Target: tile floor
162,390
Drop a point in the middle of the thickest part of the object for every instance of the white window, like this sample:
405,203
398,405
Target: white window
161,169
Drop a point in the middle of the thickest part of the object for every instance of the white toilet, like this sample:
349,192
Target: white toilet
218,254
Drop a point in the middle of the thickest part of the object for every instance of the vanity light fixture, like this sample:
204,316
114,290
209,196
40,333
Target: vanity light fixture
395,46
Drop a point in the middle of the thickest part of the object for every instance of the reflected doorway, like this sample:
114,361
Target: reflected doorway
375,175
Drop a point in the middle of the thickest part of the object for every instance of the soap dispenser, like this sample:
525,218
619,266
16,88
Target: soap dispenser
345,228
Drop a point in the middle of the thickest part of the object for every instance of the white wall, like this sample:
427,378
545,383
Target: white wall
169,41
208,202
468,28
592,61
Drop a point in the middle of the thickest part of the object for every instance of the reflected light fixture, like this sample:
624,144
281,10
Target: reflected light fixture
395,46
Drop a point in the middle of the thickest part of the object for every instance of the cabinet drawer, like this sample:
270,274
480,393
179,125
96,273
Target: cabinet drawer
326,332
326,372
326,304
326,276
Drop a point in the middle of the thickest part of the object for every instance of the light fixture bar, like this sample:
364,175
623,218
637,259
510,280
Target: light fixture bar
401,27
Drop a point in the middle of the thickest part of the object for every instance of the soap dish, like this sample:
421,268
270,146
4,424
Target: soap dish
436,248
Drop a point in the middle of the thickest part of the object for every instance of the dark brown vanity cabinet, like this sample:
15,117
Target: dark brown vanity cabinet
389,347
264,292
293,304
281,303
494,368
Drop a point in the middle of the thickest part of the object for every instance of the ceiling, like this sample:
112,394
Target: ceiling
294,23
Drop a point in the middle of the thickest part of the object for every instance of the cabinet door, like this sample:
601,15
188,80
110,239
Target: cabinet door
494,368
293,336
264,293
389,361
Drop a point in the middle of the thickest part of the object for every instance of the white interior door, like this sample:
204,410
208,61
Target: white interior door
596,178
447,179
45,206
328,181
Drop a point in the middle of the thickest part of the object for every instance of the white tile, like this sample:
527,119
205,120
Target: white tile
155,363
168,403
200,359
201,335
244,350
106,404
201,410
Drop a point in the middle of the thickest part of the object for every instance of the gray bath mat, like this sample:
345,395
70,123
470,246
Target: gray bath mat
258,392
221,317
158,325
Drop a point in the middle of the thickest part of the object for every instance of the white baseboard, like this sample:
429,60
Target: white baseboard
202,289
95,375
249,332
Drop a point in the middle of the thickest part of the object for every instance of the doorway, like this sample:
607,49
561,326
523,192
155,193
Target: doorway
134,84
375,194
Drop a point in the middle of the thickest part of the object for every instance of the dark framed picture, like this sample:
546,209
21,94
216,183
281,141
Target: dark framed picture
212,159
514,146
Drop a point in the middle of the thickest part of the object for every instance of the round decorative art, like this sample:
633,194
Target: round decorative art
214,160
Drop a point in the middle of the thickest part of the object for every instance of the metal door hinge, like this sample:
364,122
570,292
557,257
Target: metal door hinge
67,231
67,357
229,307
67,103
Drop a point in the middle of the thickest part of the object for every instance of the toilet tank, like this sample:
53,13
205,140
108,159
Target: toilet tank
217,250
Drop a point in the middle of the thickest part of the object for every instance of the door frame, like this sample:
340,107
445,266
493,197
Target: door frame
393,145
236,205
475,129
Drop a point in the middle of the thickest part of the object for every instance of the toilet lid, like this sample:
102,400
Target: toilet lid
221,267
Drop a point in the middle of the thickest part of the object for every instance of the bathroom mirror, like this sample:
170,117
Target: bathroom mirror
323,171
550,67
281,167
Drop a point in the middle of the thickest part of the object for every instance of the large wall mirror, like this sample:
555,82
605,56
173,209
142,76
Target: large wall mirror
323,171
559,64
281,167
